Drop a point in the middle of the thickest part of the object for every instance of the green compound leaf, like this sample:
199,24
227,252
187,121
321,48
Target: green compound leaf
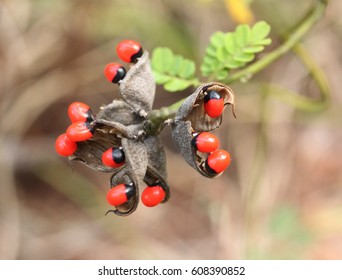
232,50
173,71
162,59
260,30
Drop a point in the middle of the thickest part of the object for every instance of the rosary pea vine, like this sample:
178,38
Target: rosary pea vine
123,137
116,140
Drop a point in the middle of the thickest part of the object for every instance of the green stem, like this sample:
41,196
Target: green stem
301,102
156,117
316,73
304,26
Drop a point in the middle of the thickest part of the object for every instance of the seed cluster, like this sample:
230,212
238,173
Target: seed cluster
115,140
198,115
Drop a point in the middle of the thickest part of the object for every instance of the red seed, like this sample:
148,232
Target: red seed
79,131
217,162
79,111
114,72
206,142
213,104
120,194
64,146
113,157
152,196
129,51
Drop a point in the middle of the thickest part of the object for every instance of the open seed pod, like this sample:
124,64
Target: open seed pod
132,172
193,109
192,117
138,87
120,124
120,112
156,168
90,152
113,122
128,207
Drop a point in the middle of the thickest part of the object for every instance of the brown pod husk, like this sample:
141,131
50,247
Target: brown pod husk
156,155
90,152
122,131
131,205
136,158
120,124
114,122
182,134
138,87
156,168
120,112
192,109
133,171
191,117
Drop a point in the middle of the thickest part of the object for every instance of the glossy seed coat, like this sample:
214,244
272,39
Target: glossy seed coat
120,194
129,51
113,157
79,131
205,142
152,195
79,111
217,162
64,146
213,104
114,72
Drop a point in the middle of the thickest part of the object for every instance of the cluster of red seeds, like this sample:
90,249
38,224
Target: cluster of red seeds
82,129
205,142
217,160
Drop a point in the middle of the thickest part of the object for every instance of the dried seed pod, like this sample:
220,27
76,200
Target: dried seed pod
120,112
192,117
156,155
182,134
133,172
118,124
123,123
136,158
90,152
120,194
156,168
138,87
114,122
193,109
131,204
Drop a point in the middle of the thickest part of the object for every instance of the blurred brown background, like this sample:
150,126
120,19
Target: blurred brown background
281,198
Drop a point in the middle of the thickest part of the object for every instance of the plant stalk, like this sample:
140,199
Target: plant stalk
157,117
